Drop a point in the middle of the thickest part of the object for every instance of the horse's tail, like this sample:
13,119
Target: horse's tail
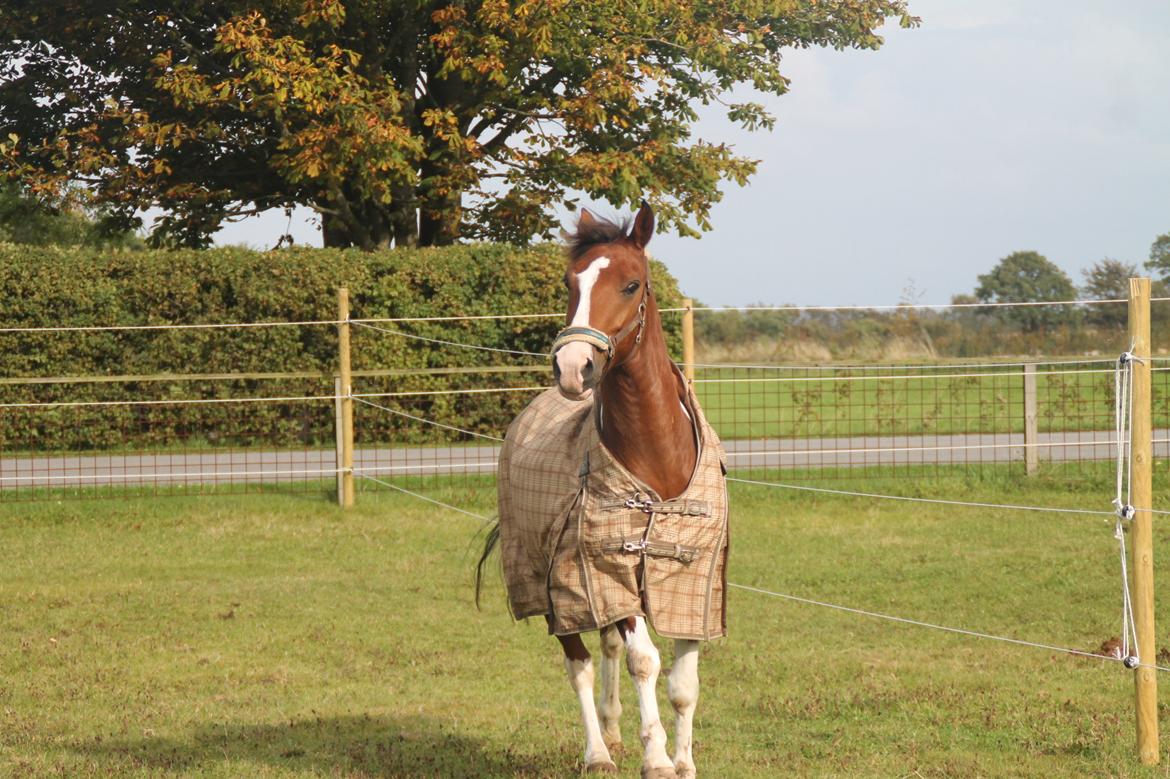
489,546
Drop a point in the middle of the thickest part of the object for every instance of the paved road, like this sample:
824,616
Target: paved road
277,466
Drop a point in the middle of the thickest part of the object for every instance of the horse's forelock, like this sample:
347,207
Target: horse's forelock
594,232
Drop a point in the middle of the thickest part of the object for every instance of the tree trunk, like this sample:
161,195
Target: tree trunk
378,227
334,235
404,217
366,225
439,222
440,207
441,177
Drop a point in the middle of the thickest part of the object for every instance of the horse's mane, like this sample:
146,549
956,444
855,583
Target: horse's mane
597,231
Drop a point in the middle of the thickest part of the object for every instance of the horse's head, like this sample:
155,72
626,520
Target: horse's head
608,279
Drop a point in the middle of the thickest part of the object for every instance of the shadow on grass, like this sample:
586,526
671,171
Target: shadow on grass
333,746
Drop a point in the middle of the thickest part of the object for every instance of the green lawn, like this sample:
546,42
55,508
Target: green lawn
275,635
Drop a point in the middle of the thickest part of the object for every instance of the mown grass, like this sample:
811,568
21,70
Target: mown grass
276,636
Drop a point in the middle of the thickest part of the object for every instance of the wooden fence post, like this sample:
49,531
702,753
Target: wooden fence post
688,328
345,380
1031,428
1145,680
338,427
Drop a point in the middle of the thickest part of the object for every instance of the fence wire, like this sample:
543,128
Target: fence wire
786,418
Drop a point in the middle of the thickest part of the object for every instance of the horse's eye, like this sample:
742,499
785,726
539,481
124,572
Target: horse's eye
565,281
631,288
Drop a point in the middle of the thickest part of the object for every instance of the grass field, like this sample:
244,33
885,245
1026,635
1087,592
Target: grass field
275,636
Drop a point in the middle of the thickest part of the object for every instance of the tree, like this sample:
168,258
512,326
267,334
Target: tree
1108,280
1159,261
1023,277
24,220
397,121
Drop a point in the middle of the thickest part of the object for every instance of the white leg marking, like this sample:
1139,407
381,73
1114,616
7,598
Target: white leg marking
581,678
643,661
611,705
571,357
683,688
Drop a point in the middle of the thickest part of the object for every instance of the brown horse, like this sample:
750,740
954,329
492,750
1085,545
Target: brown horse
618,395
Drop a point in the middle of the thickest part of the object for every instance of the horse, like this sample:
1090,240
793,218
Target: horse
622,485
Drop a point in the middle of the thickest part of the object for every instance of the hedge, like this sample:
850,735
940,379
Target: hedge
76,286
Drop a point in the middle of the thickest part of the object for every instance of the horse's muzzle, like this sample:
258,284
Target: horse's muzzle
577,369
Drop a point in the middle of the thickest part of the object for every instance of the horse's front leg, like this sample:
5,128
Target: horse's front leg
683,688
610,704
579,667
644,664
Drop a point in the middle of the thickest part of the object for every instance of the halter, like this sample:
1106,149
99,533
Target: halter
599,340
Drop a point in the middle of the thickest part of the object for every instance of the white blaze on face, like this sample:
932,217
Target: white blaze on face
572,357
585,281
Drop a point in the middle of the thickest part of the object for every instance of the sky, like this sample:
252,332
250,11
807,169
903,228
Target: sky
900,175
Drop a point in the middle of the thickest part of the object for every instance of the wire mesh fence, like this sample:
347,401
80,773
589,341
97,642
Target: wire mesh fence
440,426
828,422
415,436
178,437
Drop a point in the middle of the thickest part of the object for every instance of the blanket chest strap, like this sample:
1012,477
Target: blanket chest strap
652,548
640,501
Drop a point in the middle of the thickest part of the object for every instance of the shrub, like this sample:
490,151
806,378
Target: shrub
75,286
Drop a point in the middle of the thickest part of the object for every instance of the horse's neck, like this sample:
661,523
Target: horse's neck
643,420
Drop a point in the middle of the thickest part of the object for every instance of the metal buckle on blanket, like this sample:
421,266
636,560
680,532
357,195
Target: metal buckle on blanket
634,546
641,502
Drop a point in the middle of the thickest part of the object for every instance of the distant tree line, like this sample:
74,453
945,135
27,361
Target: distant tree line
966,331
1029,276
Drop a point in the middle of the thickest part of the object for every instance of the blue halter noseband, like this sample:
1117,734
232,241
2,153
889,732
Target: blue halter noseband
599,340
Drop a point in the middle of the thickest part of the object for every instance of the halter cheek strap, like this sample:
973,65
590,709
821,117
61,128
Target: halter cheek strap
599,340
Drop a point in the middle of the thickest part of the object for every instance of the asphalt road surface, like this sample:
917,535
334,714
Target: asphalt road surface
258,465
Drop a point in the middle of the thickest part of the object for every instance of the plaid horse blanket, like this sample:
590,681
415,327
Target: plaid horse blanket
585,543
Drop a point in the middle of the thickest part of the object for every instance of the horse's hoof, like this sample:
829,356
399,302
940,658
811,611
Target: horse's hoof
659,773
604,767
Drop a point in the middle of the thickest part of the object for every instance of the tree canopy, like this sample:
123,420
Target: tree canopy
1159,261
397,121
1023,277
1108,279
24,220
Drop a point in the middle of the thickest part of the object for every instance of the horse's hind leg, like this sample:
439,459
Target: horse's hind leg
610,705
683,688
644,663
579,667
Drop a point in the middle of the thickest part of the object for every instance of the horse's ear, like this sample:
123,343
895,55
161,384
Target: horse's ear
643,226
586,220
